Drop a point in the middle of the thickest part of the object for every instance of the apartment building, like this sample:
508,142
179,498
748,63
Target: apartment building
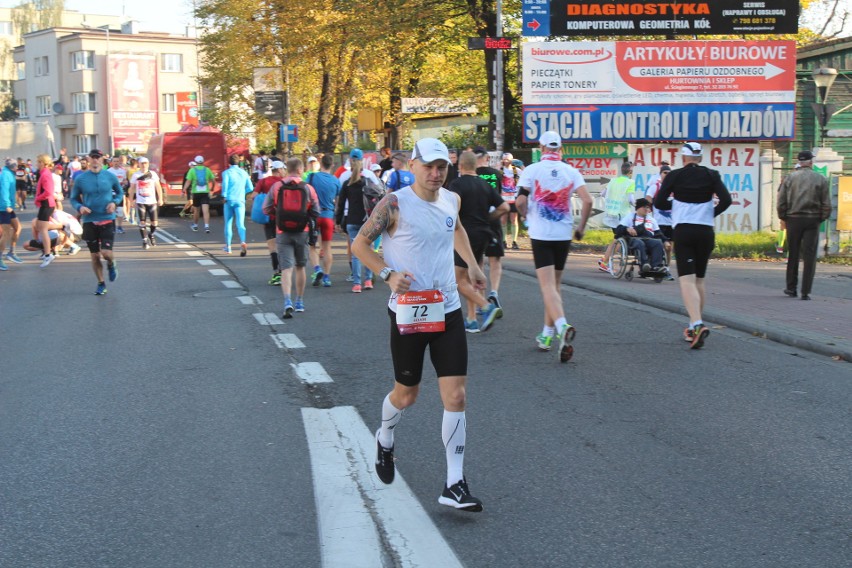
105,86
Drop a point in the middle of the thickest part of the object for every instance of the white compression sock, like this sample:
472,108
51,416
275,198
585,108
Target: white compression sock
454,433
391,416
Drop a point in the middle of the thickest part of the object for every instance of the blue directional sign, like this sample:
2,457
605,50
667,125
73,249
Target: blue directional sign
289,133
536,18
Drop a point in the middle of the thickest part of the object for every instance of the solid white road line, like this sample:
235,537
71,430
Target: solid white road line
231,284
354,507
311,373
287,341
219,272
206,262
268,319
249,300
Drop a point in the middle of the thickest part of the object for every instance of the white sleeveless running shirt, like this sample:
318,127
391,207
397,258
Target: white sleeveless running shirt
423,244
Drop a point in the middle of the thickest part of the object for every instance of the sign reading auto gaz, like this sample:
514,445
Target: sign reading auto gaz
641,17
659,90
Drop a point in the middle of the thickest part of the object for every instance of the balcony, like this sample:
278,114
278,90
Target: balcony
65,120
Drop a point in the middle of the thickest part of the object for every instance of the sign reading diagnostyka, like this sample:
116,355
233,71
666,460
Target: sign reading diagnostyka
658,90
644,17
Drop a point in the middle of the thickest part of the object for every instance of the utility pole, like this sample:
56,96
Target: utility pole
500,121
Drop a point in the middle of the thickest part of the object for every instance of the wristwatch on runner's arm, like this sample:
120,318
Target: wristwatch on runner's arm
386,273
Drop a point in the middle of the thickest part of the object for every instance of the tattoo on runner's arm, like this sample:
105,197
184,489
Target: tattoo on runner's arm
382,218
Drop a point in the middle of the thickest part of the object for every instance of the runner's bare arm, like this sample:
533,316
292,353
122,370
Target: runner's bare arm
383,218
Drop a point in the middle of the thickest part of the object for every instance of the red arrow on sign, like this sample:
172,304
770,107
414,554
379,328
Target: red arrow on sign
534,25
746,202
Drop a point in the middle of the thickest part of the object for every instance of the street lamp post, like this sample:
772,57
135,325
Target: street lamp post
823,78
107,74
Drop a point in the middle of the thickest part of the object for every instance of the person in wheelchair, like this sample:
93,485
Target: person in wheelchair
644,237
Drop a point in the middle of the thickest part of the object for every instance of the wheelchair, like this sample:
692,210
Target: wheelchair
623,262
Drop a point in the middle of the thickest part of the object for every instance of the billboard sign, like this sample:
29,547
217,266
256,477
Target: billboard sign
738,164
658,90
645,17
187,108
132,80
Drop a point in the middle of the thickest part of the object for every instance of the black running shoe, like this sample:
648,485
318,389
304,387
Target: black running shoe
459,497
699,334
385,468
316,279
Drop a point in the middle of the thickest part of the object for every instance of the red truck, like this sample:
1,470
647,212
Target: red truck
170,154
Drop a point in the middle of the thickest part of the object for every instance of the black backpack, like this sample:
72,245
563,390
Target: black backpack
372,193
292,206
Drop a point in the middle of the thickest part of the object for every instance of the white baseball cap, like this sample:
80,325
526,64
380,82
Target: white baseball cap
142,160
691,149
199,159
192,164
430,149
550,139
312,159
277,165
375,167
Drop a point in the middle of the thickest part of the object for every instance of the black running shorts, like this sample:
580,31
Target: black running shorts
693,245
478,242
99,237
45,212
199,199
550,253
447,350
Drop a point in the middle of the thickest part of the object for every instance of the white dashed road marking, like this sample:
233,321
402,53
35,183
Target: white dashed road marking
219,272
231,284
287,341
249,300
183,246
354,508
194,253
268,319
206,262
311,373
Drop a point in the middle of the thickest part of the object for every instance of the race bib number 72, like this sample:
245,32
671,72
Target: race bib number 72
420,312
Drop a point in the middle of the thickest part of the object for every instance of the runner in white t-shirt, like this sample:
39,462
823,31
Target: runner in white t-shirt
147,192
121,173
544,198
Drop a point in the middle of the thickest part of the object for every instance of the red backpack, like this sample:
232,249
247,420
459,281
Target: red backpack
292,206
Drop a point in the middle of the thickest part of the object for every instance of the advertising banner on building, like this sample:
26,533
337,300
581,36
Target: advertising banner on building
187,108
644,17
738,164
844,203
657,90
132,81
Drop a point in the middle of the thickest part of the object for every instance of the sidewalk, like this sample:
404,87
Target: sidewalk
743,295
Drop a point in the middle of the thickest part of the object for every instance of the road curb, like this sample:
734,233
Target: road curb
817,343
814,342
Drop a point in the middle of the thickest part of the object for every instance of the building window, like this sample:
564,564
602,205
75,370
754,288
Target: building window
41,67
5,86
43,106
83,102
22,108
171,63
22,70
6,28
84,143
169,102
82,60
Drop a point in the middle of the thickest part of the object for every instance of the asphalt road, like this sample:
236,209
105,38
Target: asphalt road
161,425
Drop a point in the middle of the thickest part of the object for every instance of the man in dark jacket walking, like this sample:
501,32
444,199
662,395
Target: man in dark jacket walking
803,203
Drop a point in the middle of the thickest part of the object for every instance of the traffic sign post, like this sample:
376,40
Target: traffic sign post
271,104
288,133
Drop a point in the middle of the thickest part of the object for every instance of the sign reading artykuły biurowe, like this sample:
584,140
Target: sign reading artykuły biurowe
658,90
